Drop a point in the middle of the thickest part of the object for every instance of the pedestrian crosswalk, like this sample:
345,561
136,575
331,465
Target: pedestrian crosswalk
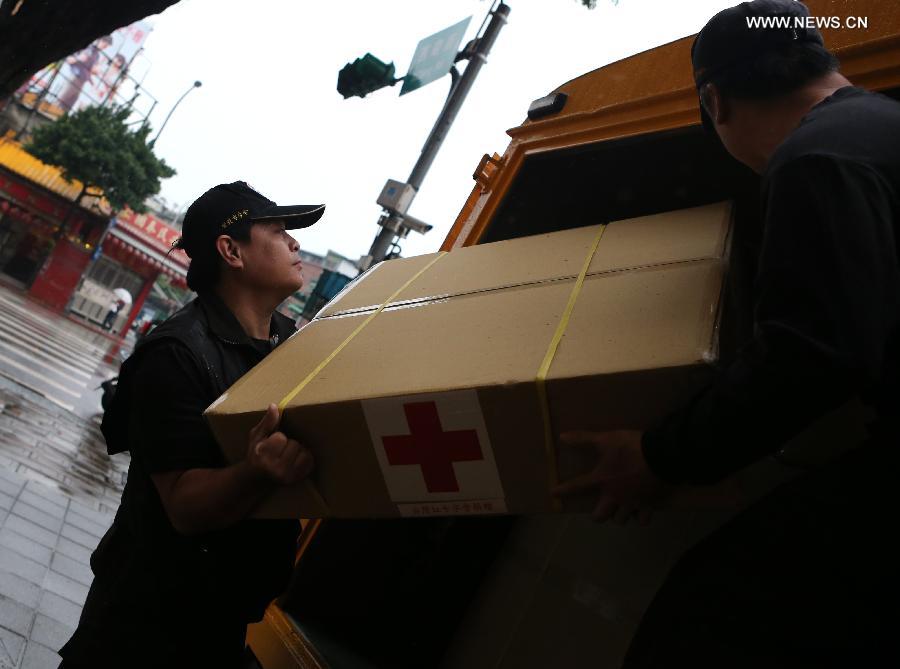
53,356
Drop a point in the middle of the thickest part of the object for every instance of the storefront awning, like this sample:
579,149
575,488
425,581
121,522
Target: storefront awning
120,241
151,239
14,158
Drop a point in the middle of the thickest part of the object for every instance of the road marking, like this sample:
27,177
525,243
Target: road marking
17,344
46,337
78,383
29,309
42,393
51,334
43,378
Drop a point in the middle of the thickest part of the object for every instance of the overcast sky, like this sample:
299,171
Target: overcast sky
269,112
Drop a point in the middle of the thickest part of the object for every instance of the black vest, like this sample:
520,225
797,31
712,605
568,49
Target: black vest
233,572
213,336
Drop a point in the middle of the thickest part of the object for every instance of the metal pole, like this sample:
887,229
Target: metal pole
196,84
393,226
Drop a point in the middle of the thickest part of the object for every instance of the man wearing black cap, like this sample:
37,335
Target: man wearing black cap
808,576
182,570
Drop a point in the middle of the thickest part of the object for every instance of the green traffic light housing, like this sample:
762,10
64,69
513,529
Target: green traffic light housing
365,75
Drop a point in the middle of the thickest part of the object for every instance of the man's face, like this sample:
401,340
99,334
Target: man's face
270,259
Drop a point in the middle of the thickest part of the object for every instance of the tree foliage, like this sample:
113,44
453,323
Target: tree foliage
96,147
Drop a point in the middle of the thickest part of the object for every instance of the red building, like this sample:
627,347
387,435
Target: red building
48,244
134,253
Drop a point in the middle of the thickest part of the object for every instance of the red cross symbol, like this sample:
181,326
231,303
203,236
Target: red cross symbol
431,448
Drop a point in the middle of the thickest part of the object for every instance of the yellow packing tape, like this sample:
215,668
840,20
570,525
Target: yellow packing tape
300,386
541,379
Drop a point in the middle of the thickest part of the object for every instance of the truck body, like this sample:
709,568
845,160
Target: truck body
503,592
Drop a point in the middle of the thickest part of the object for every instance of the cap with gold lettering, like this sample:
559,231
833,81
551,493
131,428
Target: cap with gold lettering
213,213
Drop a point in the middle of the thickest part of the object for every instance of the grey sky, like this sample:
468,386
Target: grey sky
269,112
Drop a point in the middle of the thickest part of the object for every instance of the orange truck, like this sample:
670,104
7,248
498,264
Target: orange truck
619,142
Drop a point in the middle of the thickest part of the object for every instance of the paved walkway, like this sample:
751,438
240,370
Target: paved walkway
58,488
46,539
50,445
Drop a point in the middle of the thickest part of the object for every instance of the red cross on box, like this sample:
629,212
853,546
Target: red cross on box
431,448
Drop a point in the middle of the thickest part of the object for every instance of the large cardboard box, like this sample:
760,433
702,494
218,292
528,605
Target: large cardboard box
417,388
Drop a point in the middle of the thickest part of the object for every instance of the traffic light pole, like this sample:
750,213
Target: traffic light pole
392,223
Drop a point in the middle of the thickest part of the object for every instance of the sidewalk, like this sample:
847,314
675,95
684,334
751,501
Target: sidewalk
45,443
58,493
46,539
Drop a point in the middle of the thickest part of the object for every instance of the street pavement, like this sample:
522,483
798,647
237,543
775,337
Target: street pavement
61,360
58,487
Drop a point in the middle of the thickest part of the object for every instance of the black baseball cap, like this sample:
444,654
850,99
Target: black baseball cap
222,206
729,41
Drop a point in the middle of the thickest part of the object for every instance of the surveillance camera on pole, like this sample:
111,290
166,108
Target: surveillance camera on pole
395,199
408,223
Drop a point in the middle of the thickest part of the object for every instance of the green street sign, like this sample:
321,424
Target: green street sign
434,57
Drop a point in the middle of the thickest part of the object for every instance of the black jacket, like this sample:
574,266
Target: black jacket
213,336
826,303
170,595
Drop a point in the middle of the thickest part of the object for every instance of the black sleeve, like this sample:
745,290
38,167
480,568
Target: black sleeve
826,300
167,430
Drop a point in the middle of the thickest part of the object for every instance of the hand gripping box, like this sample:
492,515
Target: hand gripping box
438,384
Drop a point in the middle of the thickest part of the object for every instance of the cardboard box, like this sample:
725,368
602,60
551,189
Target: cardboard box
416,387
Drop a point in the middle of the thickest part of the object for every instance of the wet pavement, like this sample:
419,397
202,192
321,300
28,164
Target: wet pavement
62,360
52,446
58,488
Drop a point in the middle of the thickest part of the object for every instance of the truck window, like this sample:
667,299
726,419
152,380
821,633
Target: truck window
618,179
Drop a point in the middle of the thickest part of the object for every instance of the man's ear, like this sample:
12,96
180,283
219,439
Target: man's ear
717,105
230,251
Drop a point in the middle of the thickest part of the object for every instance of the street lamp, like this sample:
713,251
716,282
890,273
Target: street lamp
196,84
